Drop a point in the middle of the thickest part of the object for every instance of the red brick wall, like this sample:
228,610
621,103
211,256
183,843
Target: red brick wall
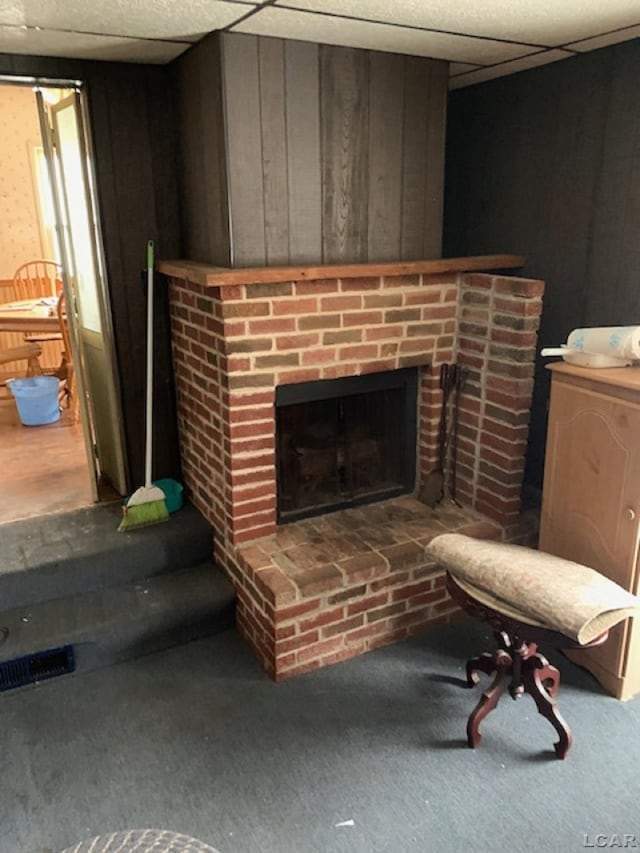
233,345
497,336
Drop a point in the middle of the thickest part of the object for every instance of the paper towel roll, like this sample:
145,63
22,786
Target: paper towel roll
615,341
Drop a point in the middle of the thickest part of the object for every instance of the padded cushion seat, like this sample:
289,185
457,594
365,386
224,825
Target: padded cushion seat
534,587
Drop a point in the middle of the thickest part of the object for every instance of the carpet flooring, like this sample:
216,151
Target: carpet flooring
367,756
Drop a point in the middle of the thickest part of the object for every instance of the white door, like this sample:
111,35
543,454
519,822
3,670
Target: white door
67,148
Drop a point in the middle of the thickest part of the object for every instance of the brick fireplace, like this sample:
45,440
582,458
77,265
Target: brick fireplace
321,589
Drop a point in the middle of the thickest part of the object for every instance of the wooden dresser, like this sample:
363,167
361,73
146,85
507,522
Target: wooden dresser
591,498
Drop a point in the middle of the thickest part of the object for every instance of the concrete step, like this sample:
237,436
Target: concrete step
115,623
66,554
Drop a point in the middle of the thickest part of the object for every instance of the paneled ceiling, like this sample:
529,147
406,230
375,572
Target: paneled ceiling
481,38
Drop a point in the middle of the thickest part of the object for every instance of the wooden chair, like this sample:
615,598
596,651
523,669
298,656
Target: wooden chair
65,372
38,279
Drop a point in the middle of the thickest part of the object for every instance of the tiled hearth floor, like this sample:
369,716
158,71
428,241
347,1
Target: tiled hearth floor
328,588
332,552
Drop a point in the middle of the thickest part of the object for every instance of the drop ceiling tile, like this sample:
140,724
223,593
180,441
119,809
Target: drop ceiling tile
544,22
286,23
155,19
87,46
604,40
505,68
456,68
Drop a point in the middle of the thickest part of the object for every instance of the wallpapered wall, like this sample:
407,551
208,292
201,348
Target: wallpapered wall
19,229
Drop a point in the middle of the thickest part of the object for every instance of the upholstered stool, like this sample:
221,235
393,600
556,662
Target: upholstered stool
527,597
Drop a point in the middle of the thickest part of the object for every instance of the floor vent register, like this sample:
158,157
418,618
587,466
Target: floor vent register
40,666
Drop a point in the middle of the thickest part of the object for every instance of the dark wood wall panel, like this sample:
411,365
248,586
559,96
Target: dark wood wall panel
613,273
344,114
386,104
192,160
436,109
244,150
132,124
204,203
302,95
334,147
414,172
274,153
215,167
547,164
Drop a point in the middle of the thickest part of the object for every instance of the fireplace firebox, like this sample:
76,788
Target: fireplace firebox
344,442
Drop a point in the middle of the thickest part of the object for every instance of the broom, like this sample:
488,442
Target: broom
147,504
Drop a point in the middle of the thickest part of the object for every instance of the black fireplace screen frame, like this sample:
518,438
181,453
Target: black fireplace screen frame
404,379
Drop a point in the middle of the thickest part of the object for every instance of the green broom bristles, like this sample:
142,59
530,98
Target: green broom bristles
142,515
146,506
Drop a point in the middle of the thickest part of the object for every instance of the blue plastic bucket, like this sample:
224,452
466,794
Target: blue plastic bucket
37,399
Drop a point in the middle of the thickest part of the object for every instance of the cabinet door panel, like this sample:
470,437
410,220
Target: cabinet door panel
591,491
592,481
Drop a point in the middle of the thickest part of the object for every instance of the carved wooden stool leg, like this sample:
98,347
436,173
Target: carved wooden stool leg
550,678
536,670
490,697
517,664
549,675
485,662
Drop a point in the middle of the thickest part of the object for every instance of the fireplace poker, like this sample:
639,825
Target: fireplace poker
460,378
435,483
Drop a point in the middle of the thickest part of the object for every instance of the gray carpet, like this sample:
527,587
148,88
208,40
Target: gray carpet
364,757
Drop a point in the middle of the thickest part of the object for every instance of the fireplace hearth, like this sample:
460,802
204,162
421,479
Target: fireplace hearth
344,442
268,439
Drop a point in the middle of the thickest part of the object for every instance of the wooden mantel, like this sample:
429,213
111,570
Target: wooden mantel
210,276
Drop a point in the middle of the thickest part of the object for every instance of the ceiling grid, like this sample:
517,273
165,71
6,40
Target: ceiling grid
480,40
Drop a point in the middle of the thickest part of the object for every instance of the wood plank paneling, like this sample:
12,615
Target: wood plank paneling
193,173
333,153
209,86
203,181
132,185
344,108
434,151
244,149
386,110
302,94
547,163
414,159
613,293
274,150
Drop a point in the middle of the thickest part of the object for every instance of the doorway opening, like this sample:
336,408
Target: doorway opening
48,212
